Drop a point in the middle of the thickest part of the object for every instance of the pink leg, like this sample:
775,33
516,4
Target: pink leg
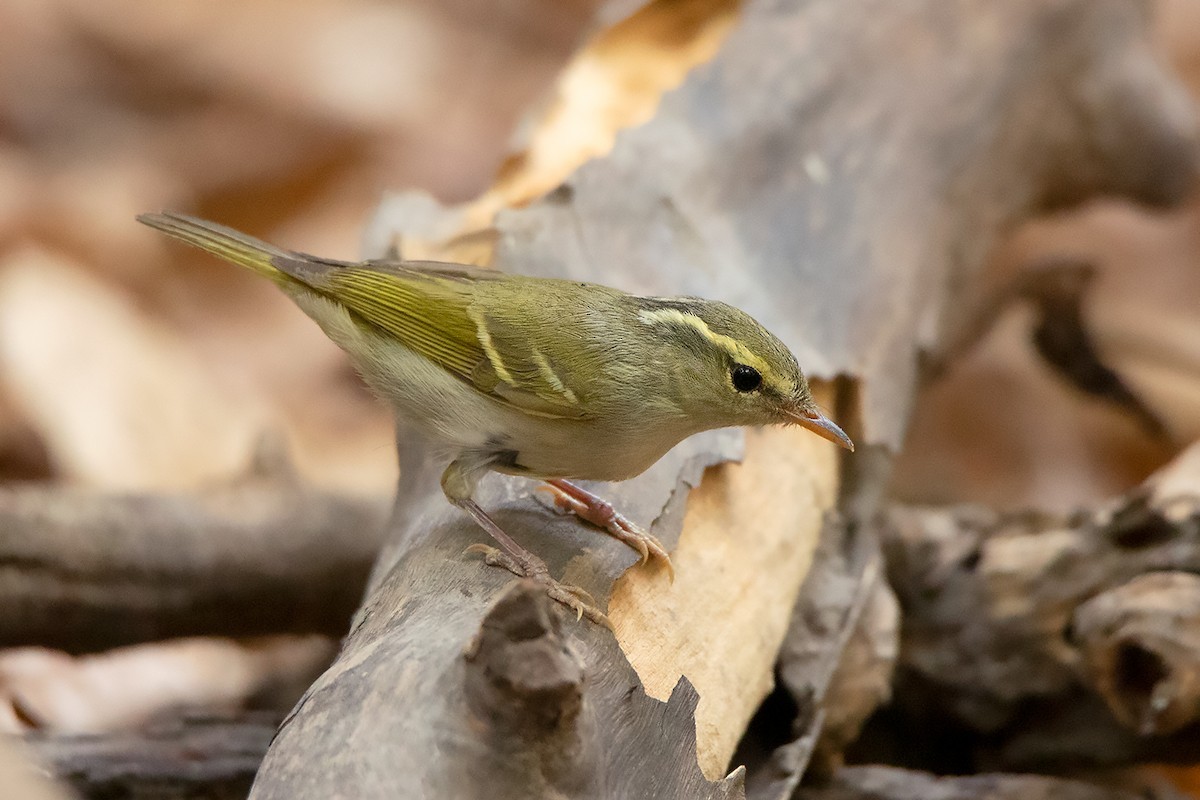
571,499
521,562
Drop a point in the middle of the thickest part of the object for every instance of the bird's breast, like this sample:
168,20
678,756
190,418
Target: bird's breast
586,450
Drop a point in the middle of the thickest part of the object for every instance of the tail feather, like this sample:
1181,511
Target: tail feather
223,242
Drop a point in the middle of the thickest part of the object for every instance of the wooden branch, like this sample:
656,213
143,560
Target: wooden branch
124,688
811,174
1003,611
1056,291
1140,644
837,659
1138,699
887,783
82,570
430,673
195,757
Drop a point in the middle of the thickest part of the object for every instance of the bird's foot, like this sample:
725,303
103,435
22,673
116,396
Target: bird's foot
567,498
574,598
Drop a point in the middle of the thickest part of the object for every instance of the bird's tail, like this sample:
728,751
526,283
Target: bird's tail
221,241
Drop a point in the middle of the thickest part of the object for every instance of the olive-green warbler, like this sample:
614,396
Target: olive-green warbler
544,378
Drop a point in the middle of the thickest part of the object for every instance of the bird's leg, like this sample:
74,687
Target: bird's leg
524,563
567,498
521,562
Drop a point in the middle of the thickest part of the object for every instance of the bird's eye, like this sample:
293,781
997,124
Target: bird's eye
745,379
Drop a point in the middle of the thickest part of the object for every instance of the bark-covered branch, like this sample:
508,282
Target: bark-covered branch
194,757
836,663
886,783
1005,612
83,570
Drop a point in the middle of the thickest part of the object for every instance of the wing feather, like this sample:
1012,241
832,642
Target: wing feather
431,309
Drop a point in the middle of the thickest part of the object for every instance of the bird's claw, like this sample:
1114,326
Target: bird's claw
578,600
494,557
644,542
617,525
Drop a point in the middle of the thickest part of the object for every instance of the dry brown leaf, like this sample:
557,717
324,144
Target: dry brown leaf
1002,429
1186,779
21,778
613,83
123,688
120,400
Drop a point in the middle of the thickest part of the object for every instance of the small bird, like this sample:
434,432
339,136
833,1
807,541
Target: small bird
537,377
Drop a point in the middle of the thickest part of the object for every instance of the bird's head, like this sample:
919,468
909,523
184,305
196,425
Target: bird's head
737,372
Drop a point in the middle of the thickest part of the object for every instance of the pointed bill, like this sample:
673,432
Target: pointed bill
822,426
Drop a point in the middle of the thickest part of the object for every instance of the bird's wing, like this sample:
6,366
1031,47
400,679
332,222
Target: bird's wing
429,307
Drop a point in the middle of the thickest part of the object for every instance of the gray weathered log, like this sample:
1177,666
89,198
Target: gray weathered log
424,673
1140,644
1002,612
837,660
840,181
192,757
887,783
82,570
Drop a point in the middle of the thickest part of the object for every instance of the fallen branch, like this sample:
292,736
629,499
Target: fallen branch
82,570
122,689
1140,644
887,783
209,758
1004,613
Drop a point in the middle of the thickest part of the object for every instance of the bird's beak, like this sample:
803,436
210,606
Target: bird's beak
822,426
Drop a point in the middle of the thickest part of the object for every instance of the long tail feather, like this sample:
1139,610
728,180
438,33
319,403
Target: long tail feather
221,241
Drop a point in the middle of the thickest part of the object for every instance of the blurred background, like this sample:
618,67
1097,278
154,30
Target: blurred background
129,362
1002,429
